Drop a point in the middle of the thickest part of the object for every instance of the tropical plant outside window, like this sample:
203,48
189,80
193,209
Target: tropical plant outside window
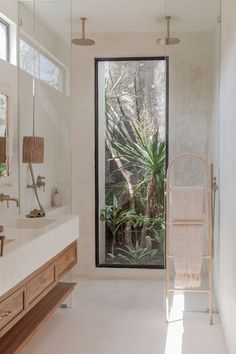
4,40
131,161
45,68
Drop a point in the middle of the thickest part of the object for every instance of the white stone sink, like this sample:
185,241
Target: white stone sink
37,223
30,243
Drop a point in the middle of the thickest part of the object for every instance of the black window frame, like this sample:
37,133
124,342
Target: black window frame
96,154
7,25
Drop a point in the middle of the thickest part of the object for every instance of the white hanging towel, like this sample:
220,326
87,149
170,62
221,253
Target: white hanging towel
188,203
188,252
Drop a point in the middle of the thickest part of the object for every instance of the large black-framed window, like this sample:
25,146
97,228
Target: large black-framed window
4,40
131,157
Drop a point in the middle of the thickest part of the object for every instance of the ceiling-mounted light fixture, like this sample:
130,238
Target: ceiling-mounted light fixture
168,40
83,41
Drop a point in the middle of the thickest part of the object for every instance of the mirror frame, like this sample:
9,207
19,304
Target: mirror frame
7,180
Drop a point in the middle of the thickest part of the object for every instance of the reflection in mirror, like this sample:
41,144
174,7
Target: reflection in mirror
4,165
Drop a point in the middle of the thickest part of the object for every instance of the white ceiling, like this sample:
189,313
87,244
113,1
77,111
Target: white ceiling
144,15
129,15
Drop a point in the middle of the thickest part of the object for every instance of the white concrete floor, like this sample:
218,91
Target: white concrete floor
124,317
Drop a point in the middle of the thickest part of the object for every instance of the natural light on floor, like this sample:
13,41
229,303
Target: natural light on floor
175,330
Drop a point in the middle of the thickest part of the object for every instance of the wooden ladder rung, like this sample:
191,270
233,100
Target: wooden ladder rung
190,290
203,257
188,223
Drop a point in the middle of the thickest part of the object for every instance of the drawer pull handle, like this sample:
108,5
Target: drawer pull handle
5,314
43,281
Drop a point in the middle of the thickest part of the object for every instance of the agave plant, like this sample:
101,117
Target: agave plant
147,155
133,255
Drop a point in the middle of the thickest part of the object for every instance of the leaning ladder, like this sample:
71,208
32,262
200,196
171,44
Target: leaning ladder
208,222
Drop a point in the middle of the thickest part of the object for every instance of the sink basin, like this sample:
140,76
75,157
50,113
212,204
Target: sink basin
29,223
30,243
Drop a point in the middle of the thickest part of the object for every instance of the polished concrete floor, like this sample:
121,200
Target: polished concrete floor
125,317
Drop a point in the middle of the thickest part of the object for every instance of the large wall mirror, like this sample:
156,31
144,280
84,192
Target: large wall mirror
5,136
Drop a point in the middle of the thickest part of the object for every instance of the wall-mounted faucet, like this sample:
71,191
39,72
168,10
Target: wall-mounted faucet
35,185
40,182
7,198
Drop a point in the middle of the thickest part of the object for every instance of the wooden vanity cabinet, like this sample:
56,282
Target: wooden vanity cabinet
43,282
42,286
66,260
11,309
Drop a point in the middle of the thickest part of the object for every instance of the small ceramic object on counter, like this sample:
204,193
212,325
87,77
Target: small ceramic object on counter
56,198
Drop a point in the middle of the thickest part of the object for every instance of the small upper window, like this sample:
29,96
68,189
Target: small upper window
4,40
45,68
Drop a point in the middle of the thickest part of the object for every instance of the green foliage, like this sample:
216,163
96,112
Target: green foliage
135,255
147,155
113,216
147,222
159,235
3,169
137,157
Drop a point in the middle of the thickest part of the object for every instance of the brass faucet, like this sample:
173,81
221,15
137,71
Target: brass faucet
40,182
7,198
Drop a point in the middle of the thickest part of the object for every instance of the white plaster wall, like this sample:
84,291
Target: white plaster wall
9,78
191,88
52,112
227,284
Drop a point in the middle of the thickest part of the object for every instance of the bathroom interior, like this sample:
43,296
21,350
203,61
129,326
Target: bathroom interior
117,173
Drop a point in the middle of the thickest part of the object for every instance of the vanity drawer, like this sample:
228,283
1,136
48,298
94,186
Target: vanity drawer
12,307
67,260
40,283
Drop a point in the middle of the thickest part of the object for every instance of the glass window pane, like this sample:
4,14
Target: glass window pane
131,162
45,69
50,73
3,41
26,57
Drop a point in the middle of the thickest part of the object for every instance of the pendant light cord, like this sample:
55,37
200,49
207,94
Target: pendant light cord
83,19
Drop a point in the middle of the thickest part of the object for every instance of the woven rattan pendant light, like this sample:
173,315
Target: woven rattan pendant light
33,146
3,147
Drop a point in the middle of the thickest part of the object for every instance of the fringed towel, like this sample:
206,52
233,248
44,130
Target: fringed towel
188,203
188,252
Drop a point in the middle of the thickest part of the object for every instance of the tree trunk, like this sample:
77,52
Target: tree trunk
151,206
128,234
124,172
113,242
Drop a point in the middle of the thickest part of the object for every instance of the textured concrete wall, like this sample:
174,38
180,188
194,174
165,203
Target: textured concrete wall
191,91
